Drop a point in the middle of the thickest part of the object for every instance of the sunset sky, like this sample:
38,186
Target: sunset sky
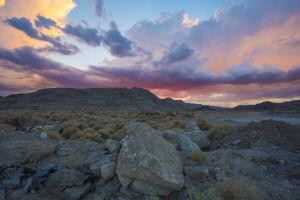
217,52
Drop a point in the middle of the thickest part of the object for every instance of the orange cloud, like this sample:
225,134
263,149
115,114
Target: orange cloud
56,10
2,2
278,45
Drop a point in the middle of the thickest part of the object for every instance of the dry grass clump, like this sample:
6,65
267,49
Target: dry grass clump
21,119
88,134
203,124
237,189
220,131
199,156
209,194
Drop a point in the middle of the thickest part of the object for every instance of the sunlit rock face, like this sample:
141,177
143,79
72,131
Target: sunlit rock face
147,163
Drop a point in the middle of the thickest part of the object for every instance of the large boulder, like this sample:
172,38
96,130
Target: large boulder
187,145
147,163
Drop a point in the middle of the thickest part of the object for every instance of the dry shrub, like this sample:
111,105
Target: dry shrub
220,131
237,189
88,134
203,124
198,156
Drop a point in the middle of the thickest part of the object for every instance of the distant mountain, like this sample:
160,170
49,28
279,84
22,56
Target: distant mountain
266,106
95,98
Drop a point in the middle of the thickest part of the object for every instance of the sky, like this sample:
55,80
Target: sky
216,52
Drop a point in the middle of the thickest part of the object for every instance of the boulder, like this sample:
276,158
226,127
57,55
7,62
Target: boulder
66,178
67,184
171,137
96,168
186,144
147,163
108,171
197,172
112,145
200,138
192,127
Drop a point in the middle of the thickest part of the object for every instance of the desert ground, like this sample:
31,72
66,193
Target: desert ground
128,155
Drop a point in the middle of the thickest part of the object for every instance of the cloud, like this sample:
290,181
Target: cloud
2,2
117,44
176,53
185,78
99,7
87,35
56,10
167,29
27,61
44,22
24,24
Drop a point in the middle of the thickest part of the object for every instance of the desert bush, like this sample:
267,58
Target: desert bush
88,134
236,189
120,133
220,131
21,119
179,124
198,156
209,194
203,124
70,128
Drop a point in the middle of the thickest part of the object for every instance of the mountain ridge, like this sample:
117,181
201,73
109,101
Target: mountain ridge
92,98
267,105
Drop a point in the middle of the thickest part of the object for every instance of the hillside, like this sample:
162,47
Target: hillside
96,98
285,106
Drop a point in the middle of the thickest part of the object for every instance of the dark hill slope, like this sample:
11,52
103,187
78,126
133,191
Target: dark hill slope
285,106
96,98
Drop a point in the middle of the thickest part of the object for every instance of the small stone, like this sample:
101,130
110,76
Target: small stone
28,184
96,168
44,136
108,170
219,174
236,142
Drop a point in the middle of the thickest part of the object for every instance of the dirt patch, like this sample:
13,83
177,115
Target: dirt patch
268,132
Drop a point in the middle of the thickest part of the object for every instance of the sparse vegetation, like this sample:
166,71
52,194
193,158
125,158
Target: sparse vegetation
220,131
209,194
199,156
237,188
203,124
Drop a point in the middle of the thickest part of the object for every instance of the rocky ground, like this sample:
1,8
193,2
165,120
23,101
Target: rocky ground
259,161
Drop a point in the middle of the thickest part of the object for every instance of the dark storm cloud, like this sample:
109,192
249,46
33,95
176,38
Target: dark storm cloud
117,44
24,25
181,78
42,21
176,53
27,60
87,35
26,57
